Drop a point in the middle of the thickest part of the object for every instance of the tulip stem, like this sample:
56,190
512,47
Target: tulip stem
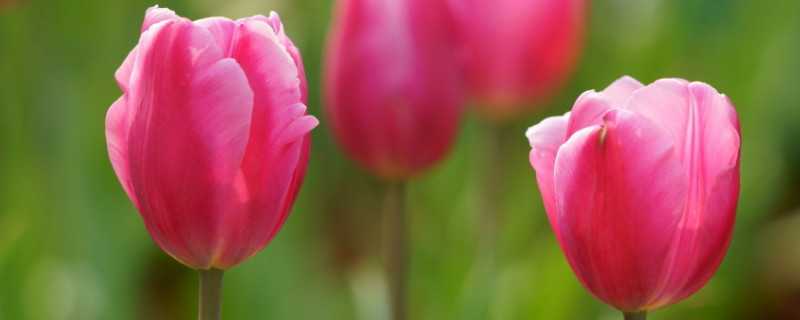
641,315
491,190
395,248
210,294
483,271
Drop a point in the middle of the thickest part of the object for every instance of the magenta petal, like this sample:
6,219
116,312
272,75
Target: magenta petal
187,138
277,141
704,127
619,190
704,244
545,138
621,90
221,102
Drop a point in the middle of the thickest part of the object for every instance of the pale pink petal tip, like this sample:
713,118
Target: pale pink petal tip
274,21
155,15
620,90
588,110
531,133
626,81
300,125
549,133
275,17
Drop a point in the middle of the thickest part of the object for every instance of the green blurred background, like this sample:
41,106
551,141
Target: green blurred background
72,246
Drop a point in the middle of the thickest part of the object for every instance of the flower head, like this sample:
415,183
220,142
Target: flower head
640,184
210,136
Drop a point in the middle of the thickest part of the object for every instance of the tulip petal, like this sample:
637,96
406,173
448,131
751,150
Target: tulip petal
697,119
123,73
188,137
704,127
621,90
221,29
520,52
118,122
275,22
588,111
277,129
545,138
590,106
698,263
155,15
619,190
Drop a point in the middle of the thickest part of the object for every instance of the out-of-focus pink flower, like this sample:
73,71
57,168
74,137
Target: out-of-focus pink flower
210,137
640,184
519,52
392,85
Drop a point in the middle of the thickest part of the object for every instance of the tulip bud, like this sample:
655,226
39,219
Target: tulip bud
210,137
392,85
519,52
640,184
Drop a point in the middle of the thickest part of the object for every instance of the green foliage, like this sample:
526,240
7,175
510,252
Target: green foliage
73,247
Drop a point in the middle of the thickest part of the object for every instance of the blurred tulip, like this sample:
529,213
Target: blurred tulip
210,137
519,52
640,184
392,84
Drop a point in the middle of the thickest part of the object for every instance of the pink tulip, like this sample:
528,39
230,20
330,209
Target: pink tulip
210,137
519,52
640,184
392,86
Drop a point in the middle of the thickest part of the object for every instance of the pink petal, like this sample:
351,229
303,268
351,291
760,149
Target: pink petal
545,138
392,84
118,122
155,15
368,63
697,119
619,191
588,111
274,21
296,182
123,73
277,133
590,106
188,137
299,175
704,127
519,52
222,30
697,261
621,90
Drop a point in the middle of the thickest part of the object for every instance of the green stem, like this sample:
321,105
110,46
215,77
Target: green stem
396,252
483,272
492,181
210,294
641,315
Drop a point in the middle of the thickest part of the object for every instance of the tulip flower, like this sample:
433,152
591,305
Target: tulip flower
519,52
210,138
392,84
393,99
640,184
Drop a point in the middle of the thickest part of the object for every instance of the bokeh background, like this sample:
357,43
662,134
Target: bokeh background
72,246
